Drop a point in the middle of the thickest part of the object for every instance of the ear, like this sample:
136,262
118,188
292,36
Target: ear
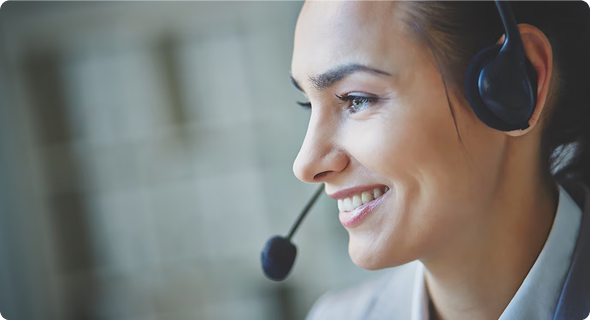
538,50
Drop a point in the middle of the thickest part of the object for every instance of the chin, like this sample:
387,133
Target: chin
366,257
370,256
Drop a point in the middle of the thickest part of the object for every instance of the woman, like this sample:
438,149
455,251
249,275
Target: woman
482,223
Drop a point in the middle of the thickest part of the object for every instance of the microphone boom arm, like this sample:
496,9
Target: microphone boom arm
305,210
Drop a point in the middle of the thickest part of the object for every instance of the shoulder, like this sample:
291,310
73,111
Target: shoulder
386,297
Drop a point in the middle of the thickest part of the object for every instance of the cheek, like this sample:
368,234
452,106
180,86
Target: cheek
415,148
405,141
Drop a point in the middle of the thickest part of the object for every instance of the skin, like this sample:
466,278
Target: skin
476,217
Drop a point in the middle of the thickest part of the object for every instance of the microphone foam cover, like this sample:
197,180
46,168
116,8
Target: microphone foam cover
278,257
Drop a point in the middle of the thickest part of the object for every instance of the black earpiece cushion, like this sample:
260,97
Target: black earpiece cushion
472,89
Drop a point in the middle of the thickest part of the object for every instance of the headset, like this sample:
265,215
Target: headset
500,86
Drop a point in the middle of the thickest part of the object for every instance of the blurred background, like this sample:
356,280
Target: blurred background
146,154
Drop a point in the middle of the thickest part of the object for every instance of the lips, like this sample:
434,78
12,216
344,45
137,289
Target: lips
355,204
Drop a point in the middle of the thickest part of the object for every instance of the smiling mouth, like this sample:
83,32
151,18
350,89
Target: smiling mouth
351,203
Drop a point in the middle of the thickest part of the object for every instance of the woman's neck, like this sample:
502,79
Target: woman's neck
478,275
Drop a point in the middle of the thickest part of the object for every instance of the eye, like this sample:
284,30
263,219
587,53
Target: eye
357,102
306,105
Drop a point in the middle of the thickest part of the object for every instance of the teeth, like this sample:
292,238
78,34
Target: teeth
377,192
351,203
347,204
367,197
356,201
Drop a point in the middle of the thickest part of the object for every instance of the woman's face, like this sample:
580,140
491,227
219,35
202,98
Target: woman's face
397,133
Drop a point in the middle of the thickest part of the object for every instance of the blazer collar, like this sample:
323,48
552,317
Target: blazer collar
574,302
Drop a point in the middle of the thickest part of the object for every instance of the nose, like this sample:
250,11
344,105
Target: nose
319,157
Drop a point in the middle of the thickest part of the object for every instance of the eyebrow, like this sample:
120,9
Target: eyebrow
330,77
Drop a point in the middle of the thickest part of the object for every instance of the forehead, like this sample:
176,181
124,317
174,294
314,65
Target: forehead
332,33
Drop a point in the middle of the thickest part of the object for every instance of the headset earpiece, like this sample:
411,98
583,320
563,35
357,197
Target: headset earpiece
501,83
472,89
